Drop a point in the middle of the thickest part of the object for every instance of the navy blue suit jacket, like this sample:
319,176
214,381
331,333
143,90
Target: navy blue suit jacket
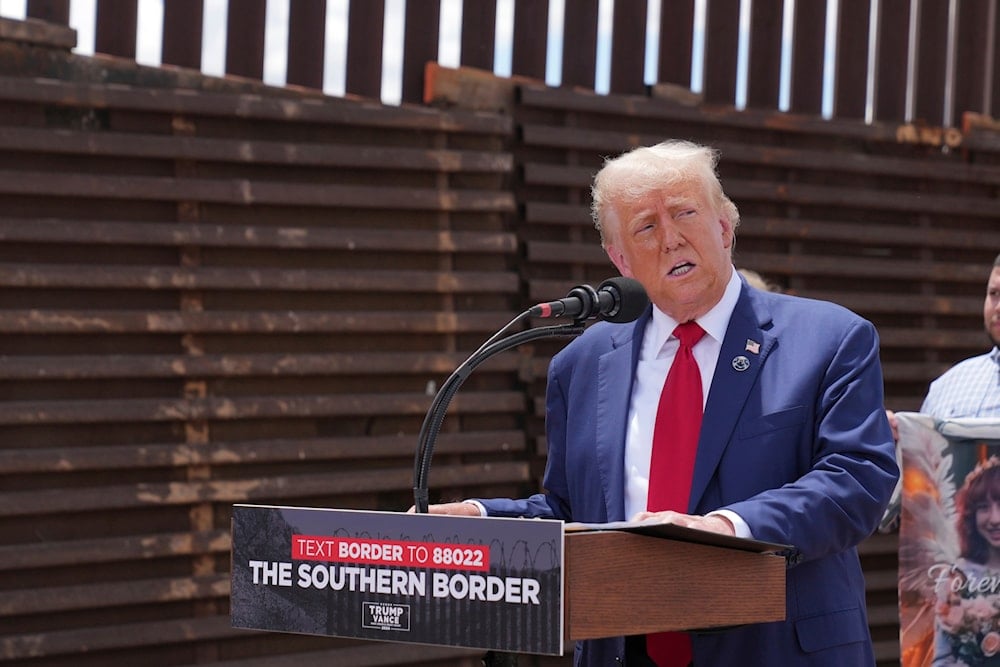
797,444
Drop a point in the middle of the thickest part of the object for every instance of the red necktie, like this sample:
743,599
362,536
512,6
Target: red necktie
671,465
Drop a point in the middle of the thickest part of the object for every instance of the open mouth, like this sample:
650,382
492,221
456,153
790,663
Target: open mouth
681,269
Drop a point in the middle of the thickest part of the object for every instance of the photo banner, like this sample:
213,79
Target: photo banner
489,583
949,541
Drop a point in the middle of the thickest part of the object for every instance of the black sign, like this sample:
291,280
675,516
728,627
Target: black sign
487,583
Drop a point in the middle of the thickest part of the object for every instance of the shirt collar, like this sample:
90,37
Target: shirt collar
714,322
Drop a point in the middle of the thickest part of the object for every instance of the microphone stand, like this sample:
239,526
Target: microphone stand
439,406
583,303
435,414
590,305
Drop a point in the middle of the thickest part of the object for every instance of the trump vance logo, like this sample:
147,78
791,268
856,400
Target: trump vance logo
385,616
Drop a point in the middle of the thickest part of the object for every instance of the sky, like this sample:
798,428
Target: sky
150,21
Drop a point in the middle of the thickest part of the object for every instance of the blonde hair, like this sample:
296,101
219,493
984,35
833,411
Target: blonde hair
633,175
754,279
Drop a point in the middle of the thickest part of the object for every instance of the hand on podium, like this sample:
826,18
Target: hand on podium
456,509
712,523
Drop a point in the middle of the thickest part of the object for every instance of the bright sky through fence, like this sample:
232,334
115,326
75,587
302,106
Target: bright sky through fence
150,22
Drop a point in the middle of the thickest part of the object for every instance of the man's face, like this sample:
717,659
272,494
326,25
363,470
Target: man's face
991,306
677,245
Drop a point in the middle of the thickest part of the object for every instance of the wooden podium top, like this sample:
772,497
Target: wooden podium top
624,583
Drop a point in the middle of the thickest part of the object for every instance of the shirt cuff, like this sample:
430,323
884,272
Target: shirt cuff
482,509
739,525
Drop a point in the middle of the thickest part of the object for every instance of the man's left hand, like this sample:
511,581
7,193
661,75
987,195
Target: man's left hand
713,523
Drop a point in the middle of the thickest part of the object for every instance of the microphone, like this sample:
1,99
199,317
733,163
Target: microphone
617,299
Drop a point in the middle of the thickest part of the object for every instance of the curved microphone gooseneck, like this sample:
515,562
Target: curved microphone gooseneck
439,406
616,300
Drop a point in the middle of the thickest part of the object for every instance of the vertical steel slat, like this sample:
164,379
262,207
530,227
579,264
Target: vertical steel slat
116,27
809,38
971,58
722,31
853,37
893,35
53,11
365,29
764,68
580,44
306,42
531,36
182,30
628,47
993,57
932,58
479,32
420,45
245,38
676,42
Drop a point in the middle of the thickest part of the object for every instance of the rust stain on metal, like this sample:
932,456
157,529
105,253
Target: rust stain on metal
930,136
245,192
186,493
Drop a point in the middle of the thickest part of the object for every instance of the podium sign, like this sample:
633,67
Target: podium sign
486,583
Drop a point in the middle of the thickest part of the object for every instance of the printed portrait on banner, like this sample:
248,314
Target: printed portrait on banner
949,542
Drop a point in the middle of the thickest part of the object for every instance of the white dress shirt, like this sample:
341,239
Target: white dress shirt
659,347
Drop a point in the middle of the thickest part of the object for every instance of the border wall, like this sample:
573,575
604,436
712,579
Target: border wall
217,292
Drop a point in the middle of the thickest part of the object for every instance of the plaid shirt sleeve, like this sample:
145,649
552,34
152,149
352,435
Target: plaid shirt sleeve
971,388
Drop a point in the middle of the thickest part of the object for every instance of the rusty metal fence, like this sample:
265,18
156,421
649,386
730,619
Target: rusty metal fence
216,292
923,61
224,296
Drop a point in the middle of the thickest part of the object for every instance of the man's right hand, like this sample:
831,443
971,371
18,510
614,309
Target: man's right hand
459,509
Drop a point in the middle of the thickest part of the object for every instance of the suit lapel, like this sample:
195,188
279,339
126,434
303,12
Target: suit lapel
615,374
735,374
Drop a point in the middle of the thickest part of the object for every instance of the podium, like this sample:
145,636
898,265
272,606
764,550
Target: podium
623,583
497,584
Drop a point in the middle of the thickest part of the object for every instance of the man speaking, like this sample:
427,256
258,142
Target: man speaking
723,408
